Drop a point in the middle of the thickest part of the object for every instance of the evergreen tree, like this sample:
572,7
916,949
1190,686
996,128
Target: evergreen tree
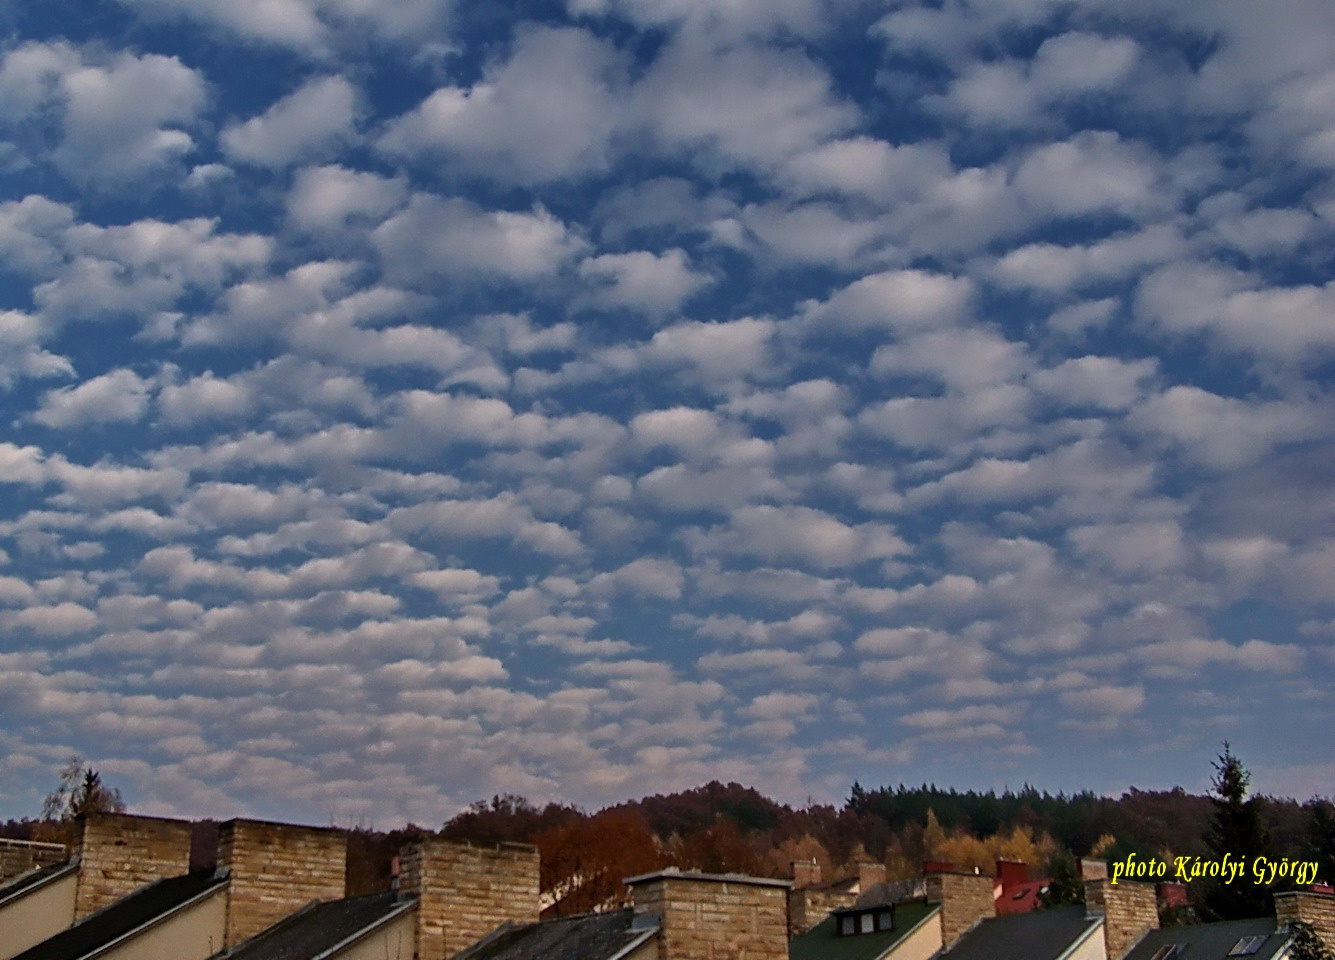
1237,830
1065,888
1321,840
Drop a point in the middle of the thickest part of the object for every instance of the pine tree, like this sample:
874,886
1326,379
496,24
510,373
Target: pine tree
1237,830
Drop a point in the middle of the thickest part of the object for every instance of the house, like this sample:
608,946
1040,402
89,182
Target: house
810,900
676,915
1014,891
905,920
36,905
176,917
907,930
370,927
1062,933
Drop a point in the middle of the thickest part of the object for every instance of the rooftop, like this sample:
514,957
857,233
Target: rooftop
587,936
1251,939
319,927
125,916
822,941
1040,935
32,879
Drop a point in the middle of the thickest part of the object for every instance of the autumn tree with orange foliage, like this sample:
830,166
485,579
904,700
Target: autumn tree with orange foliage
584,860
968,852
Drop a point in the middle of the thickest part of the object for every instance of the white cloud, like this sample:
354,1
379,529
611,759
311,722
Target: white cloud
1223,432
640,280
802,534
558,89
329,198
1094,171
454,237
306,124
1287,323
118,396
20,353
897,299
745,105
1103,382
123,119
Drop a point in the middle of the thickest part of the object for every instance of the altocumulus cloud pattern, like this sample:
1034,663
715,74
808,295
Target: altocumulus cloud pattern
408,401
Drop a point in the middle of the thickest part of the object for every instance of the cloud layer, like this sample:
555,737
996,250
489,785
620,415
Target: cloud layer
408,404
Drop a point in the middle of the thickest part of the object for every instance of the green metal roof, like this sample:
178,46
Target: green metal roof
822,943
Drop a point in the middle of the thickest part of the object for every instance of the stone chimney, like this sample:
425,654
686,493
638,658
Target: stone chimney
965,899
703,916
118,853
464,891
869,875
275,869
1090,868
1307,906
806,873
1130,910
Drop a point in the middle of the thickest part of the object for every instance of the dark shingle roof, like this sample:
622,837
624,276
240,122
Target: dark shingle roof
1040,935
822,942
1212,941
318,927
589,936
24,882
124,916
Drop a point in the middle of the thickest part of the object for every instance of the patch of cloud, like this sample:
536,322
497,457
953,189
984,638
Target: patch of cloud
115,397
308,123
492,127
454,238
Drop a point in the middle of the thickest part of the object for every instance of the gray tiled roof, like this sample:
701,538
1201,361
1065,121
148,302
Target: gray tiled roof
318,927
588,936
1040,935
1212,941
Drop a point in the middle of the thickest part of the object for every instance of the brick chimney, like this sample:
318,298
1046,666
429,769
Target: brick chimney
965,899
464,891
1090,868
118,853
276,869
806,873
703,916
869,875
1307,906
1130,910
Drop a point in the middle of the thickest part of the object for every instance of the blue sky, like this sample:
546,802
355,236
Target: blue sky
409,401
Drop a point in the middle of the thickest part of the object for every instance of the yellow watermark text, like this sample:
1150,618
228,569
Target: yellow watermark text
1230,869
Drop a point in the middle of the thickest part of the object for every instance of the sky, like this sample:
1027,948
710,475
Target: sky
406,401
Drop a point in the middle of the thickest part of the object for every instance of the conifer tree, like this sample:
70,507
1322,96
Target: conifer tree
1237,830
